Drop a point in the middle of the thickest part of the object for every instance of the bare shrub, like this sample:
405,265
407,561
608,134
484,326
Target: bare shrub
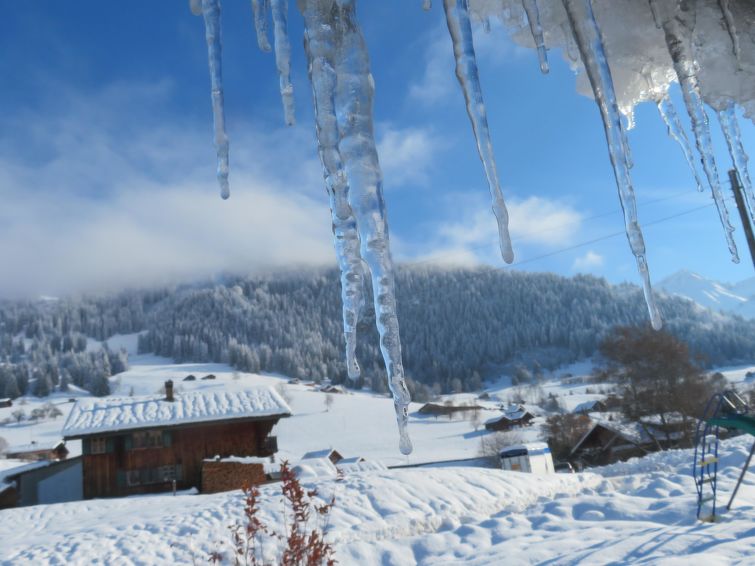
492,444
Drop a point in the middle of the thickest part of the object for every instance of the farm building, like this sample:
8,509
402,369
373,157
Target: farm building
38,451
6,402
595,406
43,481
147,444
607,443
507,421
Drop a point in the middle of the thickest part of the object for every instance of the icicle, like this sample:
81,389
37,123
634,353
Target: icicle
334,24
427,5
533,16
732,29
486,25
676,131
320,49
728,119
686,72
196,7
589,41
571,48
460,28
211,13
283,58
260,8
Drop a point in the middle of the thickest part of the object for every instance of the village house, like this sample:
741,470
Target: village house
138,445
594,406
55,450
514,417
330,453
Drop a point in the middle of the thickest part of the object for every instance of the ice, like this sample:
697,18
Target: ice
283,57
427,5
320,47
196,7
460,28
680,49
728,119
533,17
344,63
590,44
731,28
211,14
676,131
260,8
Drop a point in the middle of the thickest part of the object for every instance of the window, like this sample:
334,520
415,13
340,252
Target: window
98,445
149,476
147,439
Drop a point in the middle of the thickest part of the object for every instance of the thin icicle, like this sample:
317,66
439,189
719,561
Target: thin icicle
196,7
533,16
676,131
338,60
211,13
283,58
684,64
590,44
427,5
728,119
571,48
460,28
731,27
260,9
320,49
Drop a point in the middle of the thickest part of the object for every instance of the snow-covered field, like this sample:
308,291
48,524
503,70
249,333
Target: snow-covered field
641,511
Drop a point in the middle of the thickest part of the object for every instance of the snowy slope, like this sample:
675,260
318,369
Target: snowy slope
708,293
641,511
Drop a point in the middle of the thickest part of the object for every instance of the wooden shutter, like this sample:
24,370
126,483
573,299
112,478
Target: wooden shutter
128,442
167,438
85,449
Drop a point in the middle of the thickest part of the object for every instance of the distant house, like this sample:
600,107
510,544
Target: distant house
209,376
144,444
594,406
190,377
436,409
38,451
6,402
606,443
333,389
513,419
330,453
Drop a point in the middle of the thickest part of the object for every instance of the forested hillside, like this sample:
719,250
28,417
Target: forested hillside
458,326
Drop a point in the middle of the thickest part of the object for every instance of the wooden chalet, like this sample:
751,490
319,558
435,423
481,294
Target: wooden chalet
595,406
508,421
330,453
38,451
138,445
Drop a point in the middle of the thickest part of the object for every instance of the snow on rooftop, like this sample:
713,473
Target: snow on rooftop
93,416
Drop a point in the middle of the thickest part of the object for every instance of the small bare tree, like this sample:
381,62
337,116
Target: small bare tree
492,444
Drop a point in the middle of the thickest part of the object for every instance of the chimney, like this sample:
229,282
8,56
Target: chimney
169,390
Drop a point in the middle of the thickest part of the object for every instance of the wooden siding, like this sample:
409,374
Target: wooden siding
187,446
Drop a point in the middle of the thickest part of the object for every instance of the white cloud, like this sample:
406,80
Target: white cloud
102,200
588,261
406,155
473,235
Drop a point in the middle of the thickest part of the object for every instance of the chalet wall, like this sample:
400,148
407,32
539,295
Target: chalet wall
228,476
105,475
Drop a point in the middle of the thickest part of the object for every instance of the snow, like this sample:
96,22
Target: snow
91,416
640,511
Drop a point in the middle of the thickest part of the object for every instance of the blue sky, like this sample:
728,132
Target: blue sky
107,163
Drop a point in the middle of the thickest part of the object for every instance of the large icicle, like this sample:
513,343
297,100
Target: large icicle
211,13
460,28
680,50
427,5
260,8
728,119
357,150
533,17
283,57
320,48
590,44
196,7
732,29
676,131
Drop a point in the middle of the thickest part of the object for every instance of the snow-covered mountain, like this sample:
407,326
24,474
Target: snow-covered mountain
738,298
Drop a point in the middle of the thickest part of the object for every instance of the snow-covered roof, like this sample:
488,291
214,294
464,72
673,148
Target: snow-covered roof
109,414
33,447
586,406
325,453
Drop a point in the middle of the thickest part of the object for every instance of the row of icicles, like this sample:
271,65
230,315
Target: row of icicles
342,88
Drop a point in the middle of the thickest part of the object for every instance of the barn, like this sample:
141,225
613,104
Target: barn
139,445
519,418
